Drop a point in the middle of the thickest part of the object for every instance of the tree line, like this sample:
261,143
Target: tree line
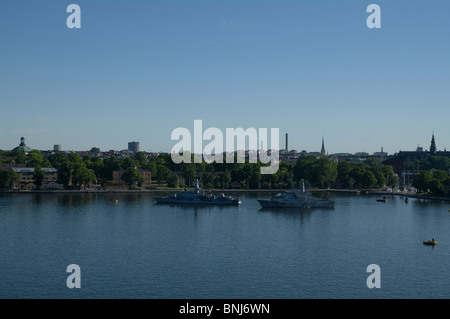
317,172
432,174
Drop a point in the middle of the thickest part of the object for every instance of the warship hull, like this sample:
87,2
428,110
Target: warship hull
296,199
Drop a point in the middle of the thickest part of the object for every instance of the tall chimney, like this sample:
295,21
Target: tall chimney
287,149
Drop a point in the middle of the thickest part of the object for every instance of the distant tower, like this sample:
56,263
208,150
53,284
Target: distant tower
287,149
57,148
433,146
133,146
322,151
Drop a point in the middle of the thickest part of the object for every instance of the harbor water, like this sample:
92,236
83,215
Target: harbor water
129,247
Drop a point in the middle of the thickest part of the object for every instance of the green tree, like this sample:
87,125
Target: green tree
303,168
110,164
163,174
95,163
166,160
206,180
140,159
151,166
74,157
127,162
357,174
38,176
350,182
422,180
379,175
344,169
239,173
282,179
225,179
435,186
438,179
82,176
20,158
255,176
323,173
368,179
373,161
65,173
34,158
173,180
8,178
46,163
189,173
74,170
439,175
57,159
132,176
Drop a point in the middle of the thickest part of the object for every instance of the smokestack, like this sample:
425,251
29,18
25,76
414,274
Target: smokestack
287,149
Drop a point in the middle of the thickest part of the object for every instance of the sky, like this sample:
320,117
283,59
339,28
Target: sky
137,70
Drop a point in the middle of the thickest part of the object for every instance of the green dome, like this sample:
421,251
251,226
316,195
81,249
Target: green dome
22,147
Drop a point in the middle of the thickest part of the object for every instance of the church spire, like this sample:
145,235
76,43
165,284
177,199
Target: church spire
433,146
322,152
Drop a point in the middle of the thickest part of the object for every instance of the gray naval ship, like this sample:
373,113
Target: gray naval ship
197,197
296,199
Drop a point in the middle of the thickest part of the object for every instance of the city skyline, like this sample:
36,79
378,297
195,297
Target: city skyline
134,146
136,71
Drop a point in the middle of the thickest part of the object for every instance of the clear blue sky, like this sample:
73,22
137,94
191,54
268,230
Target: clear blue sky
136,70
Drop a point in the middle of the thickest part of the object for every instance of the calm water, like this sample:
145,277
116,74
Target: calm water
135,249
